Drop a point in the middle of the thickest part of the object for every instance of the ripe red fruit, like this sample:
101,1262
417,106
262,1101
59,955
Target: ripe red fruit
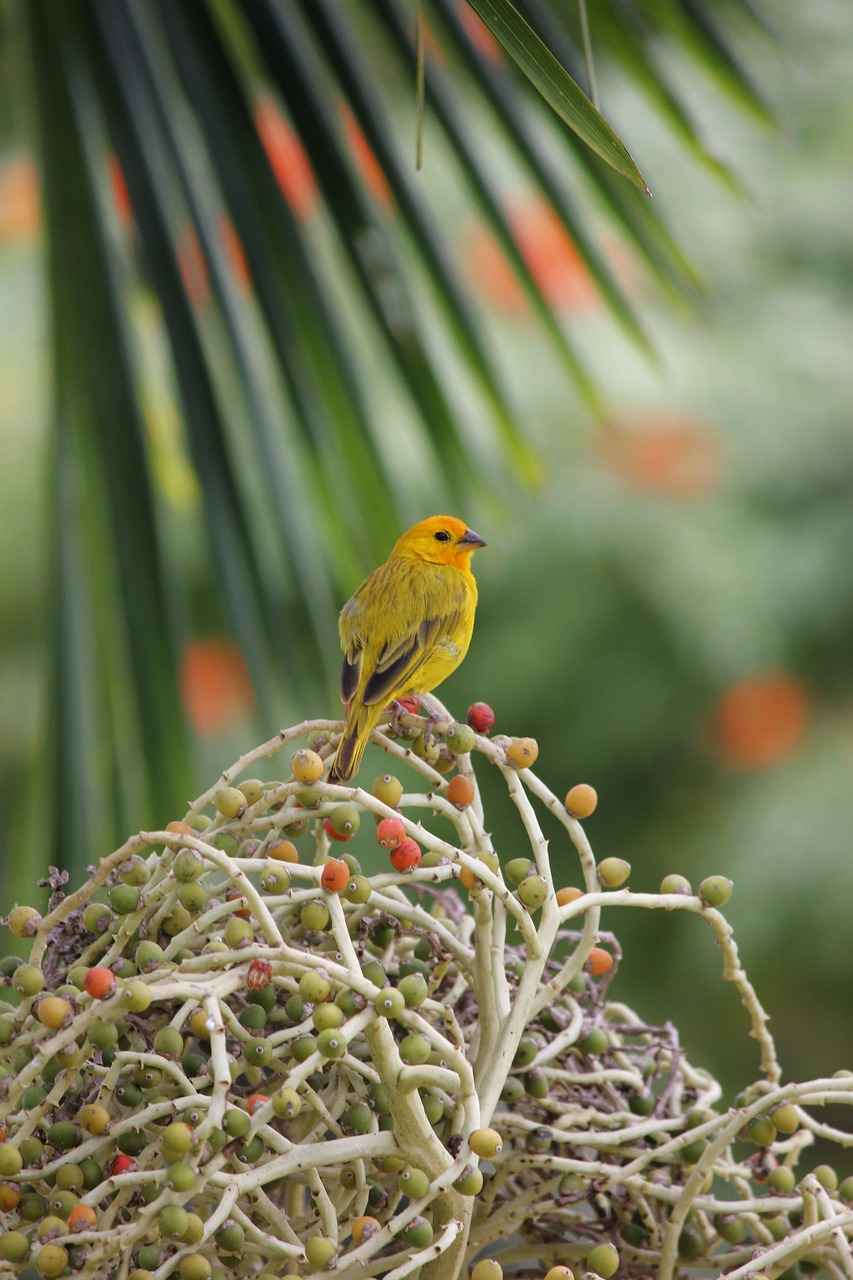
406,856
254,1101
480,717
99,982
335,875
259,975
409,704
390,833
122,1164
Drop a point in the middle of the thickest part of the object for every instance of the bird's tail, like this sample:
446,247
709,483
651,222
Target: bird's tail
360,723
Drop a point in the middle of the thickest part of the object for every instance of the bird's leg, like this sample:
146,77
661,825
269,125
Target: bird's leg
402,707
434,713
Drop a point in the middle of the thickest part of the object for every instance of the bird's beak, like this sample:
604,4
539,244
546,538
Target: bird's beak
471,539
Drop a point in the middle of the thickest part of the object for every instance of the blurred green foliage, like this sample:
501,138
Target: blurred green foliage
622,600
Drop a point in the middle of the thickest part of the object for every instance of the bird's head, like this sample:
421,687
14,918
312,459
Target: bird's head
440,540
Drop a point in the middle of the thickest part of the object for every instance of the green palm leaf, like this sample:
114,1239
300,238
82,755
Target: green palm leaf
290,287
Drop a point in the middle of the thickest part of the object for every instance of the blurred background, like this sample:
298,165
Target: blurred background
244,343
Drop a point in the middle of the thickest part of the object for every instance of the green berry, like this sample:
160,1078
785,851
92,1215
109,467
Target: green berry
24,921
148,955
169,1042
319,1251
63,1135
314,986
603,1259
194,1266
257,1051
715,891
172,1220
327,1017
782,1180
414,990
526,1052
314,916
357,1119
134,871
345,820
97,918
28,980
358,890
676,884
390,1002
286,1104
415,1049
51,1260
124,898
533,891
826,1176
193,897
613,872
471,1182
231,1237
230,802
518,869
388,789
11,1161
332,1043
238,933
786,1119
103,1035
236,1123
418,1233
274,880
414,1182
461,739
252,789
595,1042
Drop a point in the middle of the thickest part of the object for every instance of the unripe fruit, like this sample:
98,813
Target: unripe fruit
169,1042
124,898
332,1043
283,851
327,1016
319,1251
595,1042
782,1180
148,955
715,891
24,921
523,753
415,1049
286,1104
471,1182
51,1260
826,1176
303,1048
344,821
177,1137
172,1220
460,791
761,1131
257,1051
306,766
418,1233
195,1225
581,800
358,890
414,989
11,1161
94,1119
518,869
238,933
100,983
461,739
560,1273
335,876
486,1142
134,871
53,1012
187,866
414,1182
230,802
388,789
194,1266
28,980
612,872
136,996
676,884
97,918
603,1259
357,1119
314,916
533,891
785,1119
426,748
275,880
480,717
231,1237
390,1002
236,1123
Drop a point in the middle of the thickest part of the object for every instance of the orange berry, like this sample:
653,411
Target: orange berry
363,1228
467,877
568,894
10,1197
335,875
460,791
522,753
390,833
82,1218
254,1101
283,851
307,765
99,982
406,856
581,800
232,895
599,961
180,829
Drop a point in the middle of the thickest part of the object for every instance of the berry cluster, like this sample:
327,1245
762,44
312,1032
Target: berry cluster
235,1053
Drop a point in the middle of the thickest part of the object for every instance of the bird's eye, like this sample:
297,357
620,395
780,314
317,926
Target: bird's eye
442,536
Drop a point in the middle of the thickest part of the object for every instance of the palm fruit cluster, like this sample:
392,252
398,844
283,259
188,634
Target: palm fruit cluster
235,1053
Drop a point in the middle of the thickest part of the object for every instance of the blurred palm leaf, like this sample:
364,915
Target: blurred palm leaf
236,239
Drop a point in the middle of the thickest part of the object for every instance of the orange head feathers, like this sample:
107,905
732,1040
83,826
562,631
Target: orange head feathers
406,628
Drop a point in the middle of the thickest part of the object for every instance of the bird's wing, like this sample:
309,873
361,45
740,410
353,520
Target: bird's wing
365,625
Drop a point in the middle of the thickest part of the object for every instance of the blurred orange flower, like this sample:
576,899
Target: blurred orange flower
551,256
287,156
216,689
20,208
761,720
677,456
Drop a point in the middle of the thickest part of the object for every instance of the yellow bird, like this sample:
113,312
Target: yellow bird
407,627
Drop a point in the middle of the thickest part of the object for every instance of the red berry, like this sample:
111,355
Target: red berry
259,975
481,717
122,1164
333,834
390,833
99,982
335,875
409,704
406,856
